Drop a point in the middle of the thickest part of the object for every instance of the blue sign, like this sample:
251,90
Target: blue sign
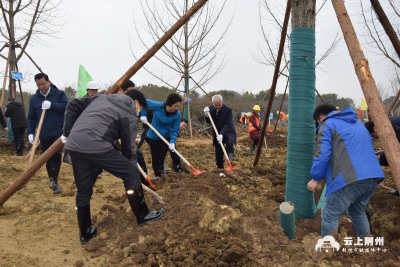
271,116
190,99
16,75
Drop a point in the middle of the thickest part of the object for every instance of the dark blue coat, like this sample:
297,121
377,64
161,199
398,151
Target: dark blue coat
223,122
54,118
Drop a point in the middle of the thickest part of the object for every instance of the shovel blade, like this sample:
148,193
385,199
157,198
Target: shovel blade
195,172
228,168
151,184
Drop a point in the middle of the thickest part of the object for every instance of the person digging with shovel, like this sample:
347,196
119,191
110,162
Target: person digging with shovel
92,125
222,117
255,127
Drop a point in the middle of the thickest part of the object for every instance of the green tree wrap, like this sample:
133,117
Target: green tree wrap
301,128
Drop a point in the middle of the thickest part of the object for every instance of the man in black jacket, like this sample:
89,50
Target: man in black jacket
16,113
395,121
222,117
92,125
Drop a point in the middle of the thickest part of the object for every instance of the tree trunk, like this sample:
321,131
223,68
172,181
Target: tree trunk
13,57
301,129
383,126
303,14
391,33
186,108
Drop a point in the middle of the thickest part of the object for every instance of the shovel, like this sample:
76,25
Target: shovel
36,142
195,172
229,168
147,177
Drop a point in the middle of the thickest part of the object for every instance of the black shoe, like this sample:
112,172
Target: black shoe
394,192
91,232
153,215
52,183
139,207
87,231
56,190
155,179
164,171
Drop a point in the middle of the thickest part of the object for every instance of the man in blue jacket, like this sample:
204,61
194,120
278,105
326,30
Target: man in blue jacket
345,157
48,97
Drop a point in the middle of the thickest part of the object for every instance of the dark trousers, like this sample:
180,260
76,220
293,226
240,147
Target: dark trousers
219,154
176,160
142,137
158,150
19,137
112,161
55,160
255,142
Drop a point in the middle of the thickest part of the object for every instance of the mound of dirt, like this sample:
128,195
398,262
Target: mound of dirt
218,218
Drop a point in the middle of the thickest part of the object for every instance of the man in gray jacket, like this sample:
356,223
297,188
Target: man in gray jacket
91,127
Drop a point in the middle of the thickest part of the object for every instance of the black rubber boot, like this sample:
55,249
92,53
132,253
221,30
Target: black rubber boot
86,230
53,175
140,209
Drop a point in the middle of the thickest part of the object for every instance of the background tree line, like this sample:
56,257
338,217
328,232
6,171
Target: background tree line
239,102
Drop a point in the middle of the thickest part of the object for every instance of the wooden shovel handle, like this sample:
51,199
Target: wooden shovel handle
222,145
165,141
35,144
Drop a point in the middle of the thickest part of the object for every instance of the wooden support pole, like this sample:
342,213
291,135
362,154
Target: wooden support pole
280,107
168,34
396,97
320,97
5,80
201,88
190,120
391,33
34,63
275,79
28,173
383,126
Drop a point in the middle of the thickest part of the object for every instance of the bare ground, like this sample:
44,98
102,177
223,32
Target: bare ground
210,220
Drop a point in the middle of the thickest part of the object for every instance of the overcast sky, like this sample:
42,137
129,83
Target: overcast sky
98,34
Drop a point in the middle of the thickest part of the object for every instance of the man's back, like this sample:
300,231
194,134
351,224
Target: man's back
345,153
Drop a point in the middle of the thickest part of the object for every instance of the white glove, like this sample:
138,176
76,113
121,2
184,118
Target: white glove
143,119
31,139
63,139
46,104
172,147
206,110
219,138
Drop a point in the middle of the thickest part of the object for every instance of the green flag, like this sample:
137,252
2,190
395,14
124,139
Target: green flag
83,78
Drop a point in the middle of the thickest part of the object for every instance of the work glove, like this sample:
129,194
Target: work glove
220,137
172,147
63,139
46,104
206,110
143,119
31,139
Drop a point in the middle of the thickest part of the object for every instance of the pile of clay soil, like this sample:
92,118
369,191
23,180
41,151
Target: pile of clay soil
213,219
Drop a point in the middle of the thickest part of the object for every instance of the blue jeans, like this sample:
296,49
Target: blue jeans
351,199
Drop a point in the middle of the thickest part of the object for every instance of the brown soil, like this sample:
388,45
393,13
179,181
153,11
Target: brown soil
210,220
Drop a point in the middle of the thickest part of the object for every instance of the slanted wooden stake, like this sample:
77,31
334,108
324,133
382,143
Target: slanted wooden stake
275,79
383,126
391,33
